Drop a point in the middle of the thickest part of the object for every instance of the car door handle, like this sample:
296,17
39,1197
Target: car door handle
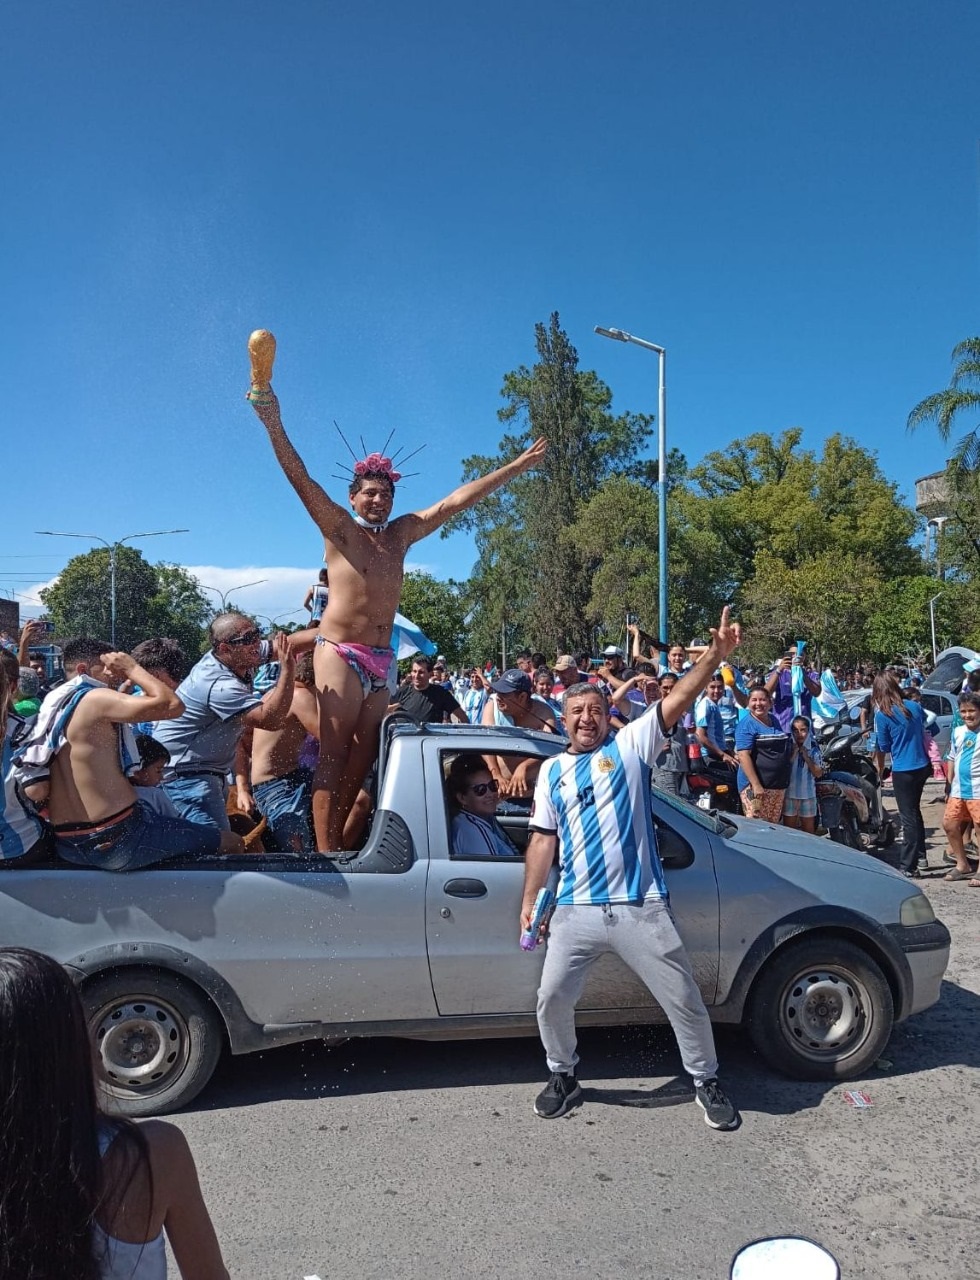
465,888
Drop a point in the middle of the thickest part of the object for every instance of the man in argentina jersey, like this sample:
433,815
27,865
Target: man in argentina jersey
963,776
592,807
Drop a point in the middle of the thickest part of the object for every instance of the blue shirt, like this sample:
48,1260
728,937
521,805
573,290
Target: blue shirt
749,728
598,803
205,737
476,837
707,716
20,828
902,736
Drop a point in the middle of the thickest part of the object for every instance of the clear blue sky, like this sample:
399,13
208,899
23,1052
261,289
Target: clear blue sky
785,196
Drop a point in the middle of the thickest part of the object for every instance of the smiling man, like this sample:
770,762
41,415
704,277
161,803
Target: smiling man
366,554
592,807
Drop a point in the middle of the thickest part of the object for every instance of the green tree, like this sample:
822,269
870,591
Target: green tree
439,609
900,625
528,577
151,600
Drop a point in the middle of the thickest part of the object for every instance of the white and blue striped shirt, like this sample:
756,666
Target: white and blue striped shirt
473,701
20,828
598,802
965,783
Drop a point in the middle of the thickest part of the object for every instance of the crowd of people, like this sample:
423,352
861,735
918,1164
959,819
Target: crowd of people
128,761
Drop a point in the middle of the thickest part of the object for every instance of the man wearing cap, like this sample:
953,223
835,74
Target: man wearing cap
514,705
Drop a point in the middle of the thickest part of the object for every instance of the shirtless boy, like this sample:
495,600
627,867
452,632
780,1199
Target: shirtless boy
278,784
79,758
353,657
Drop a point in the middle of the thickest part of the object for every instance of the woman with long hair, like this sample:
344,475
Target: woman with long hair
83,1195
899,728
763,758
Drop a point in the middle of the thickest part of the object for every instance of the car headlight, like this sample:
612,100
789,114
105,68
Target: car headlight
917,910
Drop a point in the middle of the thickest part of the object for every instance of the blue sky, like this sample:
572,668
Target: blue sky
786,197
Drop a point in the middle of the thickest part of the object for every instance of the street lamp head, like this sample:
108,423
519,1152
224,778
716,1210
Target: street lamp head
617,334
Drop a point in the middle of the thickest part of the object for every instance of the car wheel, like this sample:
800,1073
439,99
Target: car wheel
821,1010
156,1040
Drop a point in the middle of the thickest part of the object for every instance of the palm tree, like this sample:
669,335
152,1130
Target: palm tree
953,403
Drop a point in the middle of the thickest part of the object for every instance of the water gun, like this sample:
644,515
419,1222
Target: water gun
543,906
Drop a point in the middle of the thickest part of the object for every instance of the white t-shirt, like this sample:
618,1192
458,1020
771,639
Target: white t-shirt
598,803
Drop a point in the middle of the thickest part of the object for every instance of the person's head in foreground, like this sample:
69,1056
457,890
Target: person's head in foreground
372,490
236,641
760,701
969,705
471,787
51,1172
586,715
513,690
82,656
421,673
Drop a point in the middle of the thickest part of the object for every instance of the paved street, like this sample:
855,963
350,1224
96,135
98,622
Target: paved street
397,1158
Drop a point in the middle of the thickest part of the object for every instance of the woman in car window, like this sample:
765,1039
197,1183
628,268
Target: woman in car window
763,752
83,1195
476,833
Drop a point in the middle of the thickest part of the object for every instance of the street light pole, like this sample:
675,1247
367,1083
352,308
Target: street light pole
94,537
223,595
620,335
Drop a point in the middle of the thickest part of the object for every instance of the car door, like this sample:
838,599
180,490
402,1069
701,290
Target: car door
473,906
942,705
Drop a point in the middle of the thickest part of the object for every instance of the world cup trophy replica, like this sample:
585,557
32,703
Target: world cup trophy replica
262,354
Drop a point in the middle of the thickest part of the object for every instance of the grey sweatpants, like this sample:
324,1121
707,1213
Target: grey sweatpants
646,939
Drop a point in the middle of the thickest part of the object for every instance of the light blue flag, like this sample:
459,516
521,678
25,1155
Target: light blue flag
407,638
799,684
831,701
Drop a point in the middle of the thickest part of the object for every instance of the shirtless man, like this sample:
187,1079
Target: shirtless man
79,758
366,554
280,786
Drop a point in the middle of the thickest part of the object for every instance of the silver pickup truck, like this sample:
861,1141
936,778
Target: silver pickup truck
816,948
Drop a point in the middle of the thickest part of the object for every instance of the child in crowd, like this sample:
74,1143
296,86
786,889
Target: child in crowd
963,774
800,802
148,779
914,694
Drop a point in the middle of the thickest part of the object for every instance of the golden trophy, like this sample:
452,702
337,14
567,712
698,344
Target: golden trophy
262,354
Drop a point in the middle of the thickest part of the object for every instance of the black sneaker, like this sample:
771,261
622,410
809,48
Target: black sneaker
557,1095
719,1113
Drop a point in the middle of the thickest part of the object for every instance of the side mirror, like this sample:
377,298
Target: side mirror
782,1257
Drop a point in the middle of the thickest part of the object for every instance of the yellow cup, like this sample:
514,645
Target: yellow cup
262,353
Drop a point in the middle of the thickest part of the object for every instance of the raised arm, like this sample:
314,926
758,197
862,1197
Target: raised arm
724,638
273,711
327,515
159,702
421,523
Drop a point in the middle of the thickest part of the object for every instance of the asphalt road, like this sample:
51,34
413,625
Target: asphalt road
383,1158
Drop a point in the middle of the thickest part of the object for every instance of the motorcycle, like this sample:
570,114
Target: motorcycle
712,785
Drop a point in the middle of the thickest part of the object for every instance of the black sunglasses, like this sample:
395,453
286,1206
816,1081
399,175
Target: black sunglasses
481,788
247,637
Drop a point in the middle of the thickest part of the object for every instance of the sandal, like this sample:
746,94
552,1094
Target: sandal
973,884
958,874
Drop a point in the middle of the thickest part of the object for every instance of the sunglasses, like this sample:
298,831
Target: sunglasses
481,788
247,637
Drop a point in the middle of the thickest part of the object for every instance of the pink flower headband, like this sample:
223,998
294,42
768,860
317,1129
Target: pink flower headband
377,464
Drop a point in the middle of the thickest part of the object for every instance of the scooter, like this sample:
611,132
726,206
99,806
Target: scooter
840,745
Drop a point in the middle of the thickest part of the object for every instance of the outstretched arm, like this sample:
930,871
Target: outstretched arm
326,514
422,523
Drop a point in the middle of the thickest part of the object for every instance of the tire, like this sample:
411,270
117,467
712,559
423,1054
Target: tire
821,1009
155,1037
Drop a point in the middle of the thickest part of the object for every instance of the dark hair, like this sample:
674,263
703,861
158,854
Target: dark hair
543,671
422,660
162,654
151,751
51,1173
579,690
355,484
646,669
11,667
538,660
464,767
324,575
886,694
970,699
83,649
973,681
582,660
759,686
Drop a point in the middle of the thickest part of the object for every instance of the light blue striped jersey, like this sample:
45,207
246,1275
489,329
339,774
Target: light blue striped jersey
598,802
473,701
708,716
963,752
20,829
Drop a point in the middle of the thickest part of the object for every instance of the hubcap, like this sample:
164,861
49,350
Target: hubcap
824,1013
141,1043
